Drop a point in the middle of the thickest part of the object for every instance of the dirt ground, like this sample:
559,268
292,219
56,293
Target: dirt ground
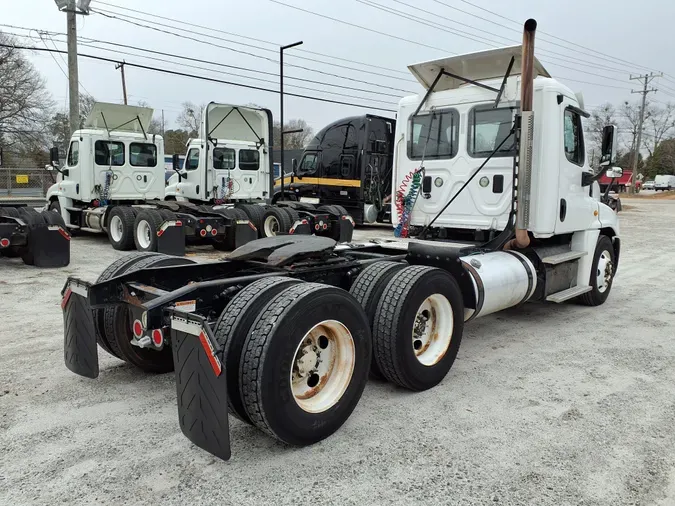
545,405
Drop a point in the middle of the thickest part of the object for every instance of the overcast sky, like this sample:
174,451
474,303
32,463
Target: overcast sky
637,32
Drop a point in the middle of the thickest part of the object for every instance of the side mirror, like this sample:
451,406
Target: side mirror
65,172
54,156
294,164
175,162
608,155
182,172
614,172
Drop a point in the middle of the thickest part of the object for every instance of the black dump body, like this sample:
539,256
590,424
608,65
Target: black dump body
348,163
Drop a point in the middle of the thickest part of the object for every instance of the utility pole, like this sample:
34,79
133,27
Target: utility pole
645,80
124,81
71,9
73,77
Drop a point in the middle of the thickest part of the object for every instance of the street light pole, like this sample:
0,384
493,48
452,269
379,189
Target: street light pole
281,107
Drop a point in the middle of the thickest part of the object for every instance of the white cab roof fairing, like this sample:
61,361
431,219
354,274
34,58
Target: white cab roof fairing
118,117
479,66
236,123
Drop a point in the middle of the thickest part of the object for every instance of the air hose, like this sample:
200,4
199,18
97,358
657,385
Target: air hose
406,196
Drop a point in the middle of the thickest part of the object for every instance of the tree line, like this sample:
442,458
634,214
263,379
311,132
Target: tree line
31,123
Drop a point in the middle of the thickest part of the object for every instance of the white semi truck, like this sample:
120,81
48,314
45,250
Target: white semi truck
113,182
510,212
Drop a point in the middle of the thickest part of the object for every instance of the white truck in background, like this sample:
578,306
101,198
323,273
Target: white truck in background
664,183
113,182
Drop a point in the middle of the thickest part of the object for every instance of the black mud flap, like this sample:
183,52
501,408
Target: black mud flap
346,224
244,232
171,238
79,338
200,384
49,246
301,227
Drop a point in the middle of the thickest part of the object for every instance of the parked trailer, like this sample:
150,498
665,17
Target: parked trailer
283,334
39,238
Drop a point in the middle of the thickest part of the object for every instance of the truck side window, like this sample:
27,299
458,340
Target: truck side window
346,164
223,158
308,164
109,153
434,135
192,160
73,154
488,128
142,155
249,159
574,140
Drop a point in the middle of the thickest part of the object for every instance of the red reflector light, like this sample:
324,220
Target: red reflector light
316,227
325,226
201,221
65,234
138,329
292,231
4,242
214,232
202,232
66,296
157,337
179,223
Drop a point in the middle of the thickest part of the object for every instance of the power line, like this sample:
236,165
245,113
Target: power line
128,19
550,35
482,40
202,78
182,22
498,44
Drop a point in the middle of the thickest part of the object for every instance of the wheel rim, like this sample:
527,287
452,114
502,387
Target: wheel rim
143,234
323,366
271,226
116,228
432,329
604,272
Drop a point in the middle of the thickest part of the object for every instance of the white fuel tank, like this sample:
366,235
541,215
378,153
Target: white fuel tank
501,279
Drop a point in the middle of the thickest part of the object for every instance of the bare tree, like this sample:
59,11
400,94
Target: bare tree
25,103
630,121
191,118
59,124
602,116
659,124
296,140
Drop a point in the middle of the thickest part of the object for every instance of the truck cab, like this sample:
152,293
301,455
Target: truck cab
230,162
465,124
348,163
111,159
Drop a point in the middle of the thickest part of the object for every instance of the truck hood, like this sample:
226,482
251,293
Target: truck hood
119,118
237,123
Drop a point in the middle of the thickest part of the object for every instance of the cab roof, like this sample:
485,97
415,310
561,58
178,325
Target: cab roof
479,66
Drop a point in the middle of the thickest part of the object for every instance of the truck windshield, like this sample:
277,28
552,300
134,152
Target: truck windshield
223,159
142,155
434,135
488,127
109,153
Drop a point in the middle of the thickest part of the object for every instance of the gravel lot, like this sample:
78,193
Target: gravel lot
546,405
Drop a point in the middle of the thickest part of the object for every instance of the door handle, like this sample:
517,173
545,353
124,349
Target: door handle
145,179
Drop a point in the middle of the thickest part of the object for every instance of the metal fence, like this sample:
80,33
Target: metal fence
25,183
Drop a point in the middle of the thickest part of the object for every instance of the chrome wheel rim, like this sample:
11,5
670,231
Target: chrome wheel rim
116,228
271,226
604,272
143,234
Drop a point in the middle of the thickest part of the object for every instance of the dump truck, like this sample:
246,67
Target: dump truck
348,164
284,334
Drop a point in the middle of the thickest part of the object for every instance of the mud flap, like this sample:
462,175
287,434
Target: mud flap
79,339
244,232
301,227
171,238
49,246
200,384
346,224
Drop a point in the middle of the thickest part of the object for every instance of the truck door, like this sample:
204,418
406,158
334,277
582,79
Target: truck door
305,185
191,185
339,177
70,183
575,205
377,167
